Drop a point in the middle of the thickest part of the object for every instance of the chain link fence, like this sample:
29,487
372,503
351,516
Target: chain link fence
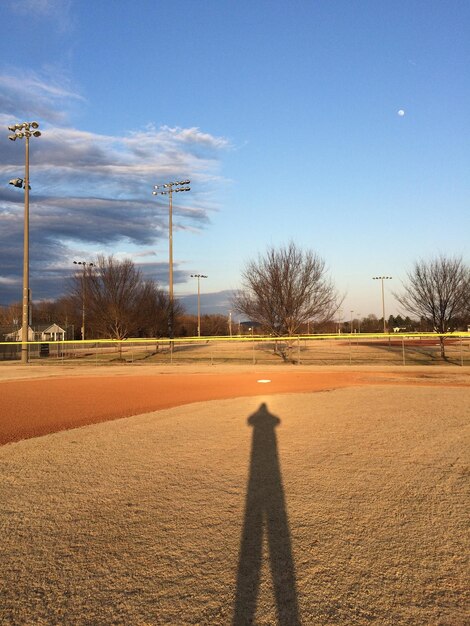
354,349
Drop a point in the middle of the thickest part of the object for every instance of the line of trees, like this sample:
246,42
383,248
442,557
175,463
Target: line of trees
285,292
287,289
118,302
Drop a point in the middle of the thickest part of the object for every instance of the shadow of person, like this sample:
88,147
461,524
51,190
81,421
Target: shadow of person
265,511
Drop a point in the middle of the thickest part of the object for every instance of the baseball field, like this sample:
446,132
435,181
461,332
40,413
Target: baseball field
234,495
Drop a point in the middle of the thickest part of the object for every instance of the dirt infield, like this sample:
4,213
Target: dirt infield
32,407
330,498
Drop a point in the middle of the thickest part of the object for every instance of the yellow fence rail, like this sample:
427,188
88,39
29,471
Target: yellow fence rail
326,349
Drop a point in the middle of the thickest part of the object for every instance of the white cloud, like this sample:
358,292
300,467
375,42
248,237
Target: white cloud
93,190
4,280
24,94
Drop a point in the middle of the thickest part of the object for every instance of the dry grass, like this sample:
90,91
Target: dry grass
139,521
352,350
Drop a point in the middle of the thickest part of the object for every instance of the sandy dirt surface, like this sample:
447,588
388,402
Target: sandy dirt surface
40,400
341,502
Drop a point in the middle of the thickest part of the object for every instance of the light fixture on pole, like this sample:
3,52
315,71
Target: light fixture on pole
163,190
198,276
18,182
25,131
382,278
85,265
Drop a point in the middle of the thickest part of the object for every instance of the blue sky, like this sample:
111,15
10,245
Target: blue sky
284,115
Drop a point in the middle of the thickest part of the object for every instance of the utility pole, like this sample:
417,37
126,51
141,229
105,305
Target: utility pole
162,190
25,130
382,278
198,276
85,265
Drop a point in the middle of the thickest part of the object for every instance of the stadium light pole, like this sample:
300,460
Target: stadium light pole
382,278
351,328
198,276
85,265
163,190
25,130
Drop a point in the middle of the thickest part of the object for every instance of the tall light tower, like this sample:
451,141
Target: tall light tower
25,130
198,276
382,278
163,190
85,265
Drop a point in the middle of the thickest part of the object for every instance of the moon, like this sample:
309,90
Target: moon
401,112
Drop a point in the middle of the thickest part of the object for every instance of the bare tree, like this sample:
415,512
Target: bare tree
118,301
10,318
113,297
286,288
439,291
155,310
213,324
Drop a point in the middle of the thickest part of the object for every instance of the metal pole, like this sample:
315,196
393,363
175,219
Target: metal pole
168,188
198,307
26,130
383,302
382,278
25,321
83,302
84,265
170,261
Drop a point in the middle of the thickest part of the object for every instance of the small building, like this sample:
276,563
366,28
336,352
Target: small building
42,332
17,335
51,332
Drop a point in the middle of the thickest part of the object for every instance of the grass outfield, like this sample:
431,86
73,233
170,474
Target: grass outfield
340,507
347,349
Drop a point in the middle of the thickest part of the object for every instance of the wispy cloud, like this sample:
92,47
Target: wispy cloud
27,95
93,190
9,281
56,12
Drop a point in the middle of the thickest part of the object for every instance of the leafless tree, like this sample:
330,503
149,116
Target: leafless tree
439,291
286,288
10,318
155,310
113,296
10,314
213,324
119,302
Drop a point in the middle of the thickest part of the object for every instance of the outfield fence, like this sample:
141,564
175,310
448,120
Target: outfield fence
344,349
